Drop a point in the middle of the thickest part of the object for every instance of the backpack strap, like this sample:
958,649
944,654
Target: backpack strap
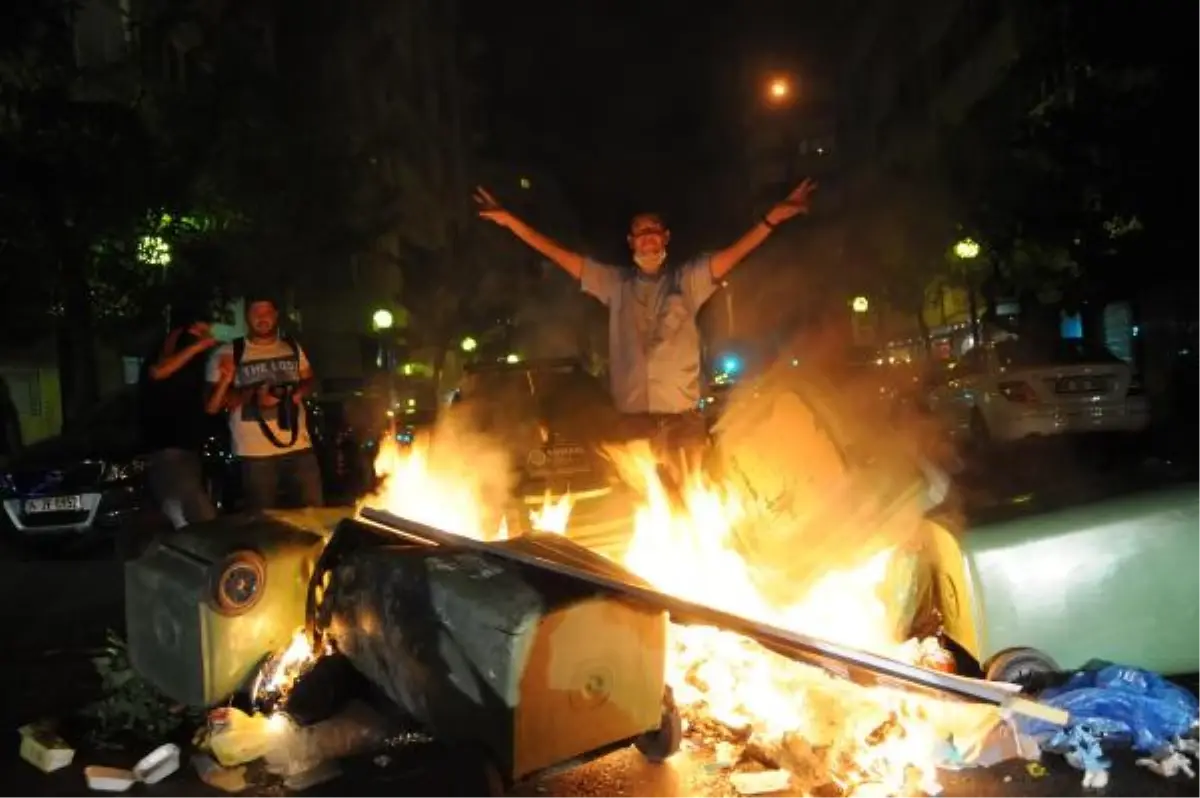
239,351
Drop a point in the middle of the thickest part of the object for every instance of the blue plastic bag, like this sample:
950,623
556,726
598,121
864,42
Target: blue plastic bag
1119,704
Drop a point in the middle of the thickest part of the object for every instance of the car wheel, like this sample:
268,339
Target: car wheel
1019,666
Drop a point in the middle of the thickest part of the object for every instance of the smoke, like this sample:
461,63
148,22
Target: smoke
832,479
456,476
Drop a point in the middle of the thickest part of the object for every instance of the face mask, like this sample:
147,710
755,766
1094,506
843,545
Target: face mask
650,261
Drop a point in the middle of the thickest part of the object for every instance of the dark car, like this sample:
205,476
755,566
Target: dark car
80,487
556,418
89,485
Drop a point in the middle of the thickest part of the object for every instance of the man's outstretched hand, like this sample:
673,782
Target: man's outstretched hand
793,204
490,209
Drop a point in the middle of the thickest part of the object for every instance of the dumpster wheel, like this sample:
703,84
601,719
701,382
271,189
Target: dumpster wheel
657,746
1019,666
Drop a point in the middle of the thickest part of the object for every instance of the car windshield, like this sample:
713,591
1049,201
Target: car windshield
1024,354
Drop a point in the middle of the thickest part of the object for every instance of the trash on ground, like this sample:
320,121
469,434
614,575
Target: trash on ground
323,772
1169,766
357,729
106,779
762,782
232,780
43,748
129,705
989,744
158,764
726,755
1116,703
236,738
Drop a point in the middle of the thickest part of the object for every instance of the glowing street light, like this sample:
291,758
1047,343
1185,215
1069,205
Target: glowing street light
469,344
382,319
513,358
967,249
860,304
779,89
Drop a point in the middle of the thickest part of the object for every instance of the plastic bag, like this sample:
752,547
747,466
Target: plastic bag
236,738
1120,704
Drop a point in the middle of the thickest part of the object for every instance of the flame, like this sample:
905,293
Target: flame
553,515
696,543
453,486
274,681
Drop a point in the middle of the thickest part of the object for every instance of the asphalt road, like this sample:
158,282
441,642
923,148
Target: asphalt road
55,610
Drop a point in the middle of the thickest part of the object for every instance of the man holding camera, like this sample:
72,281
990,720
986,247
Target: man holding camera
262,380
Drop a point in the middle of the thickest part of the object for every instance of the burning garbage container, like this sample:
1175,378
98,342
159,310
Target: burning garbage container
535,669
205,605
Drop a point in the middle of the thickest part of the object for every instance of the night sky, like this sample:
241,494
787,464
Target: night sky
635,107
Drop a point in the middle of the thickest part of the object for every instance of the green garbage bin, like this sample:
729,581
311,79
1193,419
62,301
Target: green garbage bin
205,605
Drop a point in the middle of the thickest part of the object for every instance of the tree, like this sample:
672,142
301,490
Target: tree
84,186
1060,171
902,242
410,135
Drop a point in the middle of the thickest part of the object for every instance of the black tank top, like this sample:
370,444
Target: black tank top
172,410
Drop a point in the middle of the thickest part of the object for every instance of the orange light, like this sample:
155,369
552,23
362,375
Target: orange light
779,89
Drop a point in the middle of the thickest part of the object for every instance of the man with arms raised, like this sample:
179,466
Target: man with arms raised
654,343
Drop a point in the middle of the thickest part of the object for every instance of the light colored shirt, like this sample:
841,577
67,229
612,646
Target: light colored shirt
270,364
653,340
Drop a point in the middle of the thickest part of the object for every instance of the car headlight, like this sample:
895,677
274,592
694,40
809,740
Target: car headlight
239,582
122,472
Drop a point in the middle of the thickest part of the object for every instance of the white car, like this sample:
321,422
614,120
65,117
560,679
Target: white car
1009,390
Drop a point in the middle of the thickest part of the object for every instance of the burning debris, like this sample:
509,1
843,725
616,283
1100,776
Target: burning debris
823,730
273,684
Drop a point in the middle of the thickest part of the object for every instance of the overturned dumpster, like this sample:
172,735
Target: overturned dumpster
534,668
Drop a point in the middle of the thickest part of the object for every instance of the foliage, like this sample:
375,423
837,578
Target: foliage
130,709
1059,174
903,238
86,179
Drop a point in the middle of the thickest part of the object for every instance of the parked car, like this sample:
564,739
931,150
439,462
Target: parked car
89,486
555,417
81,487
1011,389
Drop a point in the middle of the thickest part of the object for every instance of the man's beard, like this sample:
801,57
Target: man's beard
650,261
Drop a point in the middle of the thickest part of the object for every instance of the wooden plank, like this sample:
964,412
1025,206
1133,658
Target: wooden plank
559,555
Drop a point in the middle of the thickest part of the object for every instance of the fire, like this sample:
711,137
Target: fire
553,515
275,679
454,486
693,543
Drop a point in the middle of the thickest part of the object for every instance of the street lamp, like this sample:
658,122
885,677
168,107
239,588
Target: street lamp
382,319
860,304
513,358
967,249
469,344
779,89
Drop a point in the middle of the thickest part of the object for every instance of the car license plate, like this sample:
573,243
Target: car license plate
1081,385
54,504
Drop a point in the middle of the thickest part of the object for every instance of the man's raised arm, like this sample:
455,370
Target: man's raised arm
571,262
795,203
